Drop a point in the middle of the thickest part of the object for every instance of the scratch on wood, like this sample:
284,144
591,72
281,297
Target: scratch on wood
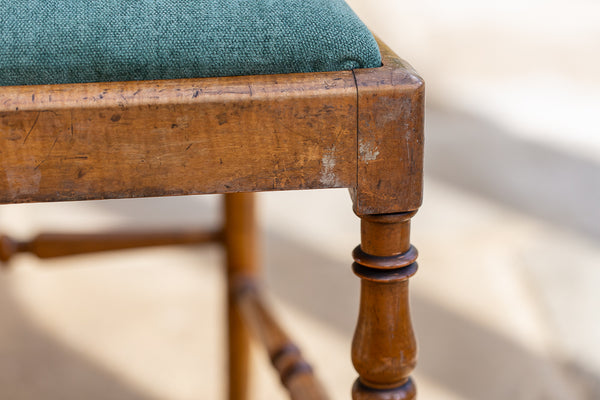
32,126
47,155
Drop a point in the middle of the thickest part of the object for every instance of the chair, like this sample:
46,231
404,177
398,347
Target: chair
109,99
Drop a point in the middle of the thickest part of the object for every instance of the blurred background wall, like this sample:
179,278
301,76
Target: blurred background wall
506,303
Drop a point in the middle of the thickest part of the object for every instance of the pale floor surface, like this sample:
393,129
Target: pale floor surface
505,306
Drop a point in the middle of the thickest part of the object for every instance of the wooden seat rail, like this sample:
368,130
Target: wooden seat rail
360,129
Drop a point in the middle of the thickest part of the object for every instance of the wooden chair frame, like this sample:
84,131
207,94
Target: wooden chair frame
360,129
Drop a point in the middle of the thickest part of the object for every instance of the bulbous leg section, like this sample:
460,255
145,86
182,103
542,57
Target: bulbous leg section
384,348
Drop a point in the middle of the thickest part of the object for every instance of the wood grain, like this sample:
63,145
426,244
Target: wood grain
390,137
295,373
360,129
384,348
50,245
241,249
139,139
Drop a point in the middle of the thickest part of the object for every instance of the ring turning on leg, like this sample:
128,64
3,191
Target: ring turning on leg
384,347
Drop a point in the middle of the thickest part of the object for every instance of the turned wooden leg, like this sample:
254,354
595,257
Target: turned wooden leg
294,371
240,244
384,348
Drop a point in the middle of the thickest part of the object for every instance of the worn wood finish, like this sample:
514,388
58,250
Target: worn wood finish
388,192
384,347
210,135
390,138
241,246
161,138
48,245
295,373
362,130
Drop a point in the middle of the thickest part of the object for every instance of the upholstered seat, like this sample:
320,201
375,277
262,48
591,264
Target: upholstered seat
76,41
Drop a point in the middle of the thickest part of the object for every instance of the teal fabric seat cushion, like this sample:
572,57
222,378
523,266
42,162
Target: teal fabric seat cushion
72,41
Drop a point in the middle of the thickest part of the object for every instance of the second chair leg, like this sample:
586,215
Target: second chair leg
241,250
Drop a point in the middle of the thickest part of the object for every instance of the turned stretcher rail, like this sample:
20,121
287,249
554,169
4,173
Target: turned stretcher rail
296,374
49,245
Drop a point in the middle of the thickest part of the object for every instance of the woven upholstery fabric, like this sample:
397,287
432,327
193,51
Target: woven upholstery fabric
73,41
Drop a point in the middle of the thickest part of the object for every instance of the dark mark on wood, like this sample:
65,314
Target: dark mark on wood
32,126
47,155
